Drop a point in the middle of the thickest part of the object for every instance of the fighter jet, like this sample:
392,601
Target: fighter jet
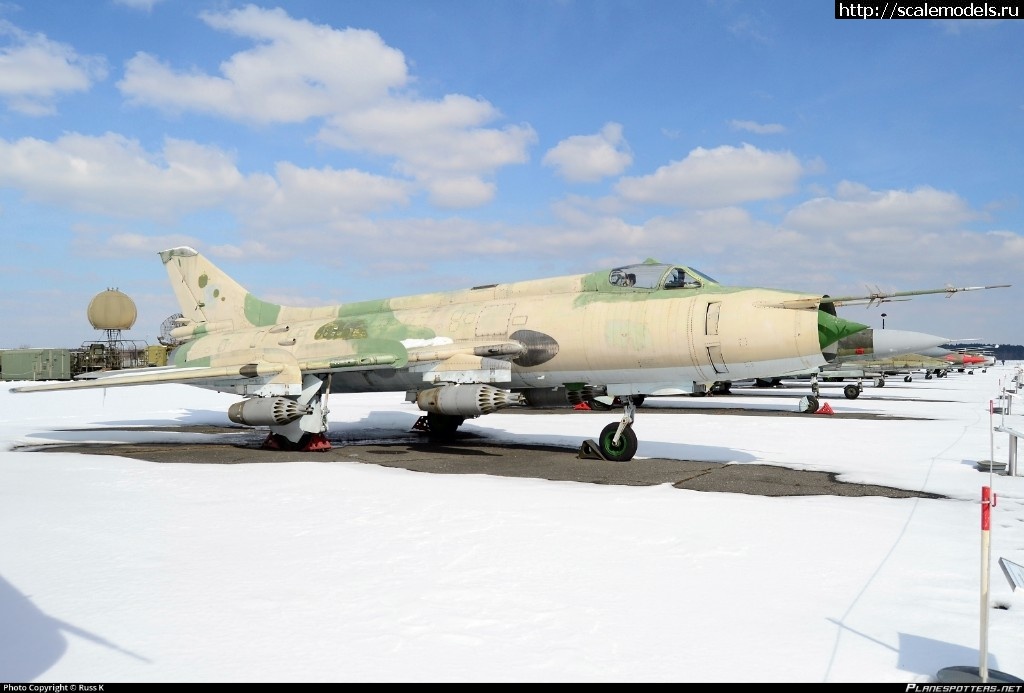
865,355
634,330
961,360
907,364
870,344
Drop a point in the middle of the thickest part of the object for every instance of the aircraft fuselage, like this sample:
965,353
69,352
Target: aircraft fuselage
568,330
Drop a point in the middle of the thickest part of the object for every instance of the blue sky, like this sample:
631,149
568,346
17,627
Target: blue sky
324,152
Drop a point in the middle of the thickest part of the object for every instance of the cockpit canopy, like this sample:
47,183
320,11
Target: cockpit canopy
658,276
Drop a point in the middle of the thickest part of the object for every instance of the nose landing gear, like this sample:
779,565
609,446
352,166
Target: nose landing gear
617,442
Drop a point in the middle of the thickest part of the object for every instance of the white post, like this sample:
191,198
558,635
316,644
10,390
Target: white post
991,440
986,506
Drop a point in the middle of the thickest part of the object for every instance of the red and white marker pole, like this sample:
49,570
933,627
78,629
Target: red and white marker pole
988,501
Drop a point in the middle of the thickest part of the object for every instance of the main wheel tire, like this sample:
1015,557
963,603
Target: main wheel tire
624,451
851,392
276,441
443,426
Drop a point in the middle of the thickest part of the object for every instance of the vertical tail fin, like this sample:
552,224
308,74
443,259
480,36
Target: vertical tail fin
207,295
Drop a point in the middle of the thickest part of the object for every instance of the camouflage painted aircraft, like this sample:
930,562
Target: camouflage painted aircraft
636,330
962,360
860,356
907,364
932,361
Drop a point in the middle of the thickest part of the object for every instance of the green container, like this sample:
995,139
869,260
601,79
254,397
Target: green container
156,355
36,364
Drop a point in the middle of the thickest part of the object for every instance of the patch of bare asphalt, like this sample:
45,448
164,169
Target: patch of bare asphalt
731,411
471,454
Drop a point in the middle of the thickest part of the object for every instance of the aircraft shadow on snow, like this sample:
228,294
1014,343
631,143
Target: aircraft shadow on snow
31,641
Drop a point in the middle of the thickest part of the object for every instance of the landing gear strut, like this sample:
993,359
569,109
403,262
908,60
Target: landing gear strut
297,422
810,403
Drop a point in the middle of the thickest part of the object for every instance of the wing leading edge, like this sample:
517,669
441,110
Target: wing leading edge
441,357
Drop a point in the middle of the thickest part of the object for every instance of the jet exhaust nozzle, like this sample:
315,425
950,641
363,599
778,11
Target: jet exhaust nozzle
467,400
266,411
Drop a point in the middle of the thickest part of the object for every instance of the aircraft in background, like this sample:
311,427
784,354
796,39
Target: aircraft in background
961,360
635,330
907,364
863,356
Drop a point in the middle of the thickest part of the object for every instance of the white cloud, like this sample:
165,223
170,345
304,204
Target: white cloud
354,83
706,238
114,175
433,137
879,214
717,178
145,5
247,250
443,144
454,193
589,158
117,177
35,71
302,209
111,242
297,71
312,196
757,128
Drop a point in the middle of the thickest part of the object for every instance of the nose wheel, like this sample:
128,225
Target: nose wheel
621,450
617,442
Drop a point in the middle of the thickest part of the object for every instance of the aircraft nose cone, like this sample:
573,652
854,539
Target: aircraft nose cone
890,342
831,328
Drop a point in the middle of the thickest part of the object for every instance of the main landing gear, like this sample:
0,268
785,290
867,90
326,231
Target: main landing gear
853,390
439,427
811,404
448,406
297,422
308,442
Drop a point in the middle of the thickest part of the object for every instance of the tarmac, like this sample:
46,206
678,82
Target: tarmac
468,453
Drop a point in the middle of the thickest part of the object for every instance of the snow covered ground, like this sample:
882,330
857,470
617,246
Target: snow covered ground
113,569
